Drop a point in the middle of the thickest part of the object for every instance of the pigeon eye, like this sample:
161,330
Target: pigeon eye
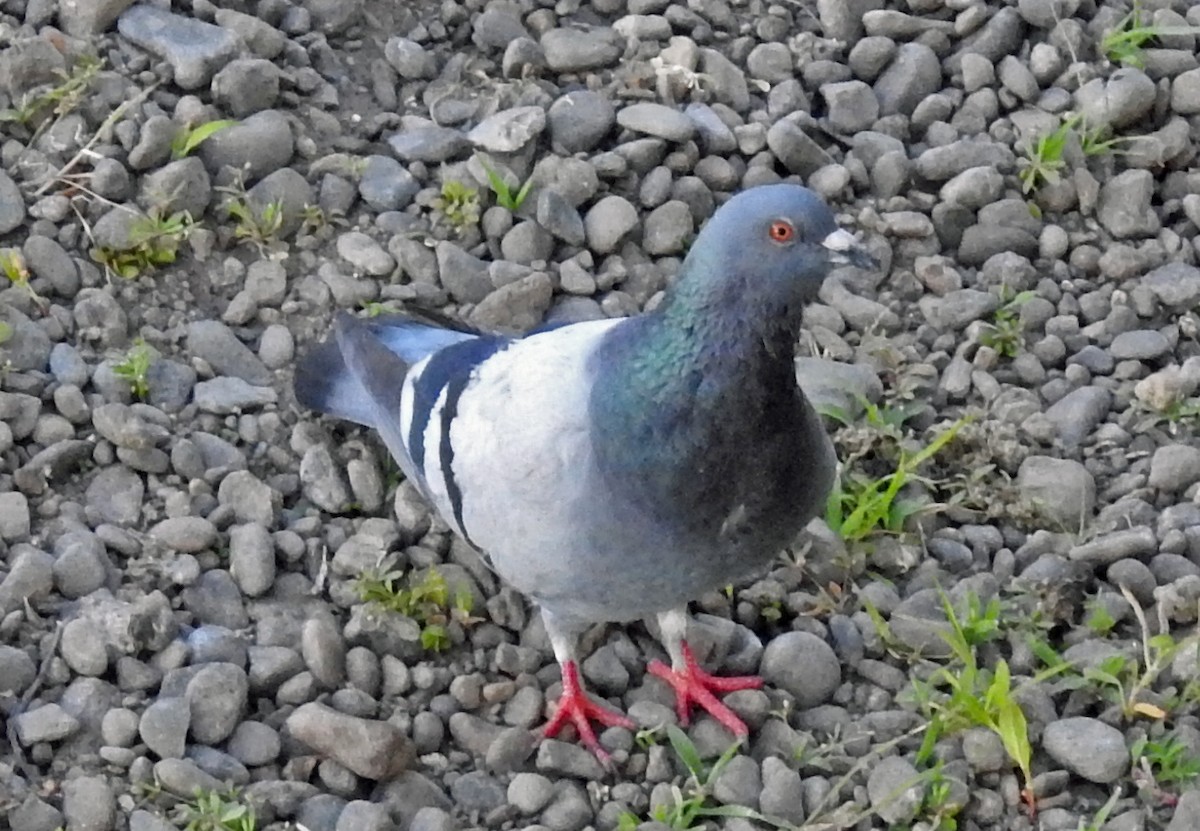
781,231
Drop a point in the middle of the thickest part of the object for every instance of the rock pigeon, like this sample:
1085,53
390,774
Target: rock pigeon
616,469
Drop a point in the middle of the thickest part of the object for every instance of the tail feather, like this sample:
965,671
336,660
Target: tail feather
359,373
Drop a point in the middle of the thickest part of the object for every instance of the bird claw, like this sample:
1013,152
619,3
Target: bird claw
694,685
575,707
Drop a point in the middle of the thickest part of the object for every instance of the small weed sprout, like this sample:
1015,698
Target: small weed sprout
189,138
312,219
62,98
1004,333
154,241
210,811
458,206
860,506
505,197
1123,43
134,369
965,694
938,808
1165,761
259,228
1042,161
426,600
12,265
690,803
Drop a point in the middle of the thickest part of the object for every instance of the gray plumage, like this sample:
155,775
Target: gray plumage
616,469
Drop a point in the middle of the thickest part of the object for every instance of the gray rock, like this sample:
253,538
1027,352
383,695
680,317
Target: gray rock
247,85
217,695
258,144
184,778
657,120
974,188
1001,35
1077,413
250,499
526,243
17,670
48,260
1140,345
364,254
251,558
608,222
89,803
463,275
1017,78
509,130
410,59
560,218
770,62
1060,490
428,143
28,346
726,80
852,106
803,665
214,598
956,309
83,648
795,149
941,163
1124,208
1174,467
563,759
322,480
193,48
579,120
1088,748
529,792
30,577
324,651
372,749
914,73
115,496
577,50
12,204
1117,545
386,185
515,307
164,726
1176,284
47,723
1187,812
82,19
1118,101
782,794
14,517
667,228
215,343
254,744
896,790
231,395
740,783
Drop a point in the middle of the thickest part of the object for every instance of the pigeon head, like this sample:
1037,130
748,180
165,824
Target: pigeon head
769,247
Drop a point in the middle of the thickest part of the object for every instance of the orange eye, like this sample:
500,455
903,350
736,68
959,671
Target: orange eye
781,231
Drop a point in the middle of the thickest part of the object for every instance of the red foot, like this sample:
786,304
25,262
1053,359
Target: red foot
575,707
694,685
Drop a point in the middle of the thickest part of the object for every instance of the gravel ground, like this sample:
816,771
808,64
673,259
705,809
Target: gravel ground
180,602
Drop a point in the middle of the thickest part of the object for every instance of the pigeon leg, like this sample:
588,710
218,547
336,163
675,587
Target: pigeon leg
574,705
693,684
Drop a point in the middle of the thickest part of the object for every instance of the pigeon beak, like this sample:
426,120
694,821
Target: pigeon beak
844,249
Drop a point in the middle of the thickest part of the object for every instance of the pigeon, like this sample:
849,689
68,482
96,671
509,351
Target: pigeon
613,470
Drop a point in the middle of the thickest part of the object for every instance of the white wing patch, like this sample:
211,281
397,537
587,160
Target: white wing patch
521,441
